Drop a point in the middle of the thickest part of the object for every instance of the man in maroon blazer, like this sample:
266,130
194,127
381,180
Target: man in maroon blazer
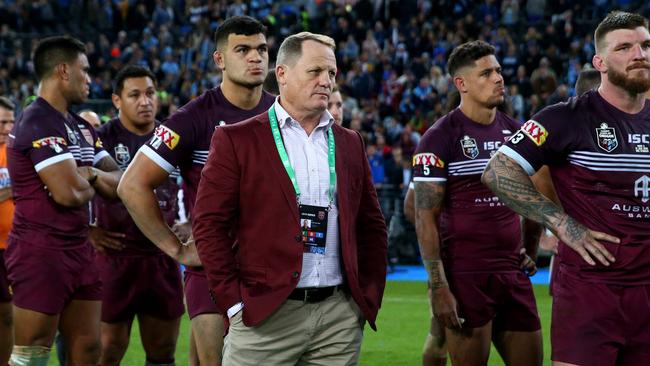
293,293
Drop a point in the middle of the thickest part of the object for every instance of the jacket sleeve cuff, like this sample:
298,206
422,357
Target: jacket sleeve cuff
234,309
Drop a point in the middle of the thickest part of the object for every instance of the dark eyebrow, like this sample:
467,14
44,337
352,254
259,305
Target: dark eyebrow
249,45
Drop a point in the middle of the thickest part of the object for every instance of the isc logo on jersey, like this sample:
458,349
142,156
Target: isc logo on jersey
164,135
54,142
428,159
535,132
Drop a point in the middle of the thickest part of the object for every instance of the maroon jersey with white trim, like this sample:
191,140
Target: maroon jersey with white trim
41,137
478,232
111,214
184,139
599,159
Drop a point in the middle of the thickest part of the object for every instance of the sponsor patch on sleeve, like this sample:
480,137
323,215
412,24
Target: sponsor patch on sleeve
164,135
428,159
54,142
535,131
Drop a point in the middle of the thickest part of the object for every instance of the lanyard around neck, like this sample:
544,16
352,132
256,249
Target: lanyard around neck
279,144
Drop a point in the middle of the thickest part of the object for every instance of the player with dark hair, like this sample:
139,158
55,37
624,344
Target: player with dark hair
588,79
7,108
138,278
596,144
184,141
471,244
57,164
335,105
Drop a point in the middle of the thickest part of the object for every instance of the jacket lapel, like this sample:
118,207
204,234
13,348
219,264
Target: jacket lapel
276,169
342,182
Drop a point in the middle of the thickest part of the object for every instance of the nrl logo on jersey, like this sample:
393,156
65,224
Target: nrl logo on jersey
606,137
122,155
469,146
72,135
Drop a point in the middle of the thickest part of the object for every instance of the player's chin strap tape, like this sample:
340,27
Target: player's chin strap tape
29,356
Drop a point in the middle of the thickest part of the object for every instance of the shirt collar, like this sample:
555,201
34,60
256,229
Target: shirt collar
326,119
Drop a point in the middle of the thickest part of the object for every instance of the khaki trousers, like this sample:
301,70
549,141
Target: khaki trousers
326,333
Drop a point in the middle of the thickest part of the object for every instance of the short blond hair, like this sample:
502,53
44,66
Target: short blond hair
291,48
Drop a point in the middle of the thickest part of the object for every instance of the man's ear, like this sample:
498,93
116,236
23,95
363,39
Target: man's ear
459,83
281,74
217,57
62,71
117,101
599,63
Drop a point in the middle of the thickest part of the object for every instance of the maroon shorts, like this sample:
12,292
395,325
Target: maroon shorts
148,285
505,298
599,324
46,280
5,294
197,294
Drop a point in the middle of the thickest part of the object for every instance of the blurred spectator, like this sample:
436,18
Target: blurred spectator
543,79
588,79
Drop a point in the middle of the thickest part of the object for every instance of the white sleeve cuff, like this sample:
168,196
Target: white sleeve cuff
53,160
235,309
507,151
151,154
99,156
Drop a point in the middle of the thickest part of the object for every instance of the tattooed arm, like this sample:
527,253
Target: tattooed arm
514,187
429,198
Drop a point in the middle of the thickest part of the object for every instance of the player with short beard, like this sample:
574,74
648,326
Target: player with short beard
597,148
57,164
471,244
184,141
138,278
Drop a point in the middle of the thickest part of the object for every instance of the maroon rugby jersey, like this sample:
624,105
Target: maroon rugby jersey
478,233
41,137
599,159
111,215
184,139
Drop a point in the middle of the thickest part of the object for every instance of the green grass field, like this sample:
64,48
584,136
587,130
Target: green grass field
403,324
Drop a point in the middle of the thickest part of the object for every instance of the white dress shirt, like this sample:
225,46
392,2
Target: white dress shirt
309,160
308,157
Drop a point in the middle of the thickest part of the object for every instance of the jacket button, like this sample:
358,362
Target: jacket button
298,238
295,274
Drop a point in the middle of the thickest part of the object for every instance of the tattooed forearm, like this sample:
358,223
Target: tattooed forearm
514,188
436,273
107,164
429,198
429,194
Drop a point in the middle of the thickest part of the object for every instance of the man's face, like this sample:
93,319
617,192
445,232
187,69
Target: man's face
308,83
627,59
6,123
483,83
138,101
335,107
244,60
78,82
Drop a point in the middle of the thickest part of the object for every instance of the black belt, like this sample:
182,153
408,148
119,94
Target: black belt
314,294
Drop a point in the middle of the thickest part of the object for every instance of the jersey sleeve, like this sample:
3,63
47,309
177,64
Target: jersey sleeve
43,144
172,141
432,155
543,140
98,145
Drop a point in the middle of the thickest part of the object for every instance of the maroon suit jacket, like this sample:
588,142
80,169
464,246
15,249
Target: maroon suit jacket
247,228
